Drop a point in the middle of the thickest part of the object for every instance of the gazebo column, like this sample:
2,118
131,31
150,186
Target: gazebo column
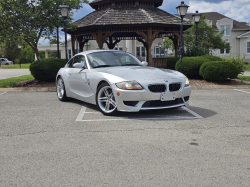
82,42
73,39
176,40
149,38
111,44
101,38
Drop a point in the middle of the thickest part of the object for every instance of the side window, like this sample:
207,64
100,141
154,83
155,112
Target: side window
80,59
70,63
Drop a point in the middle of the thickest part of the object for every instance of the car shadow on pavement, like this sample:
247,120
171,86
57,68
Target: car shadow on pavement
161,113
205,113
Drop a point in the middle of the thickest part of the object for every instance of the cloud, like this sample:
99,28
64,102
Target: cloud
234,9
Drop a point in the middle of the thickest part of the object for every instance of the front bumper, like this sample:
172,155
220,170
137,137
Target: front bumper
136,100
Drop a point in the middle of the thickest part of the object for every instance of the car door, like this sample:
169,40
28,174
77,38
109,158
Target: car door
78,82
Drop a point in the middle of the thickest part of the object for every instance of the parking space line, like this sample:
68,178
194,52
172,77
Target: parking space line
3,93
81,114
192,112
241,91
158,117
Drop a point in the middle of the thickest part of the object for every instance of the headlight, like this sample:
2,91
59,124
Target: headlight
129,85
186,82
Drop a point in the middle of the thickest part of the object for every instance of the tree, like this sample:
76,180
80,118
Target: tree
208,38
168,43
10,49
29,20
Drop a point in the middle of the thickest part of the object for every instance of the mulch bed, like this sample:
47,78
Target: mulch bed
194,82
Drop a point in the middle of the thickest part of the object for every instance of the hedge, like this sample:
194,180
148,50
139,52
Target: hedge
219,71
47,69
171,62
191,66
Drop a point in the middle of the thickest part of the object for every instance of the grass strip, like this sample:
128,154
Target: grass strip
11,82
247,67
15,66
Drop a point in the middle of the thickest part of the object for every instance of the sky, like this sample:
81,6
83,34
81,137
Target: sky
235,9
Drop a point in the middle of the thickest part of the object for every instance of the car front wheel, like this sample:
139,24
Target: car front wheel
61,92
105,100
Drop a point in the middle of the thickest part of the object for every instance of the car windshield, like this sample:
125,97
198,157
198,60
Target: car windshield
112,58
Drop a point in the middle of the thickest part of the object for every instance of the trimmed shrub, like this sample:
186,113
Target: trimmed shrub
219,71
212,58
171,62
47,69
191,66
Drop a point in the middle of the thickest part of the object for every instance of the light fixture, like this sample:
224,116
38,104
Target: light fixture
196,17
182,9
65,9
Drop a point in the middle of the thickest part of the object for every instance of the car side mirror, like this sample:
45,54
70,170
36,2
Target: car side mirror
79,65
144,63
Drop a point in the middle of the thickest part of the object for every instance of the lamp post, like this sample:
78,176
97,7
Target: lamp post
57,42
0,61
182,10
65,9
19,47
196,18
160,45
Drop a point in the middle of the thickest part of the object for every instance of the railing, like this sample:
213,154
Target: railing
160,62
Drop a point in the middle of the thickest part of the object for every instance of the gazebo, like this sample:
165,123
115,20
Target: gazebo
116,20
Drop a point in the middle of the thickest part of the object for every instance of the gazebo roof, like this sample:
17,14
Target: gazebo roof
94,4
129,15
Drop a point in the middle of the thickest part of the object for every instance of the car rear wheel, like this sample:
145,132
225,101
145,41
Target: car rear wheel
61,92
105,100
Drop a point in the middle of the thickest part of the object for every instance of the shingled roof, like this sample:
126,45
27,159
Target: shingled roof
128,15
214,16
94,4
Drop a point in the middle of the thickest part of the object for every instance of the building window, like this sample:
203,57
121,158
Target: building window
120,48
69,54
157,52
76,51
226,29
248,47
140,51
225,51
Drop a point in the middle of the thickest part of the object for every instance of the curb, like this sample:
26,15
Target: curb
53,89
29,89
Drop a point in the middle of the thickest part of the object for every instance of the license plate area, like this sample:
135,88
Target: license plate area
168,96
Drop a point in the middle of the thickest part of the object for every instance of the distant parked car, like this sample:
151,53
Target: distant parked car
5,61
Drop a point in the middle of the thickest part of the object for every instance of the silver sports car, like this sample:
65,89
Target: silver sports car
118,81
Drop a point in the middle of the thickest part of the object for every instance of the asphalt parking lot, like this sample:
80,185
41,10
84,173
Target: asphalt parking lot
45,142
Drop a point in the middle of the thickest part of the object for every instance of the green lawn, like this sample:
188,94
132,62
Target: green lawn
244,78
15,66
248,67
8,83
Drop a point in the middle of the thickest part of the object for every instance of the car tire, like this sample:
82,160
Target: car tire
6,64
105,100
60,90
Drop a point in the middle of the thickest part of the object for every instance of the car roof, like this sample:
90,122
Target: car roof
95,51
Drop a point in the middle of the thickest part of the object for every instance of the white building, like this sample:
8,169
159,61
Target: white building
132,46
236,34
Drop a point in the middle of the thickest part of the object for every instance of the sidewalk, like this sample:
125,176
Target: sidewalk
9,73
246,73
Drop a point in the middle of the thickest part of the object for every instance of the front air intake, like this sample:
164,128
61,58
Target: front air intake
157,88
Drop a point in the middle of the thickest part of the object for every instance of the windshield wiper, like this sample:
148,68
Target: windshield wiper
130,65
102,66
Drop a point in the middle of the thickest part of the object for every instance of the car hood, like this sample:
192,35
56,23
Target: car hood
141,73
